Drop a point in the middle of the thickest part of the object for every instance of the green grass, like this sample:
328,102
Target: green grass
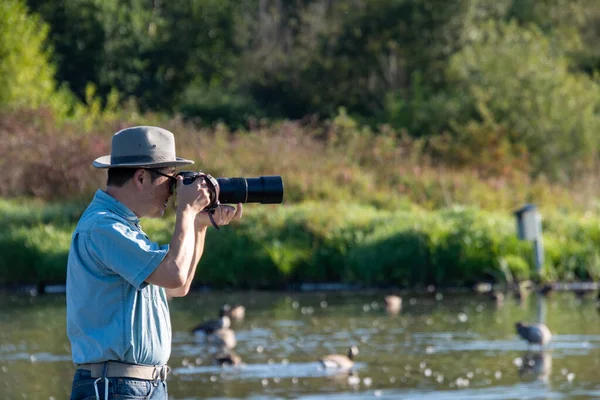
278,245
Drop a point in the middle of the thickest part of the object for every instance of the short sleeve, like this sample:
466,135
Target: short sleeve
125,251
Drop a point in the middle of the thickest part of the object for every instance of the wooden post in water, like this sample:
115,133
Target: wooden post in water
541,308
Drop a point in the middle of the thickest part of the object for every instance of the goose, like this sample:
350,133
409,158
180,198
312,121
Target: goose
534,333
235,312
522,289
208,327
393,303
498,297
546,289
226,357
483,287
580,294
224,338
340,361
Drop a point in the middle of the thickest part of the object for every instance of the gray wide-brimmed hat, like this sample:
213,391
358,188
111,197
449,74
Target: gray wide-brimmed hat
142,147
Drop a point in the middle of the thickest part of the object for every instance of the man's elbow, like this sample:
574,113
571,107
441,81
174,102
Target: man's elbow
168,277
178,292
171,280
177,282
184,291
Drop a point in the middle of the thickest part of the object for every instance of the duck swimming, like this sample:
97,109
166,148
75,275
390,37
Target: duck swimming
235,312
340,361
208,327
534,333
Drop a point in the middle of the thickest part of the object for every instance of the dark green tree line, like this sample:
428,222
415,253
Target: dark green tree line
514,76
148,50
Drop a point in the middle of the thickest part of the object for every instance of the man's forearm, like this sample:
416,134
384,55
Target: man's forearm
182,243
201,222
174,269
199,247
199,239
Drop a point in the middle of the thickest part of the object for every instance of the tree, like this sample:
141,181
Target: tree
26,74
148,50
513,76
353,53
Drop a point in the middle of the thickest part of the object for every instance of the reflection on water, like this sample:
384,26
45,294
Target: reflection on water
438,345
535,365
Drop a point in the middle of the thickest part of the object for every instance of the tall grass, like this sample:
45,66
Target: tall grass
337,161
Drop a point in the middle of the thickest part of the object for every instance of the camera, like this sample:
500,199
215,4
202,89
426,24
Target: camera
264,189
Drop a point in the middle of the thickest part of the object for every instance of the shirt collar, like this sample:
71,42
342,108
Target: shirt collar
115,206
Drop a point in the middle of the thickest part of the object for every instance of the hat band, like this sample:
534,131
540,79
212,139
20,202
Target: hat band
141,159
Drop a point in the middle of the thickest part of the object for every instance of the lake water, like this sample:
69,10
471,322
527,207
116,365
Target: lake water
441,345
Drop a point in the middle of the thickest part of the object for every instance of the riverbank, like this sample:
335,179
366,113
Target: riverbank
276,247
492,291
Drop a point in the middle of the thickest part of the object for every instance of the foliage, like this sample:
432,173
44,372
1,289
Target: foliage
45,160
26,71
147,52
34,240
384,118
208,105
514,78
277,246
50,159
511,77
361,50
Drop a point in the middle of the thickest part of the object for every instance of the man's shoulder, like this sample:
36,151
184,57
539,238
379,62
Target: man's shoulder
95,217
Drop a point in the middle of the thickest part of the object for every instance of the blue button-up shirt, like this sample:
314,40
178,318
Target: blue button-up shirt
112,314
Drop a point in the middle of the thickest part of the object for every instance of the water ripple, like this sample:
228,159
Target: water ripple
261,371
521,392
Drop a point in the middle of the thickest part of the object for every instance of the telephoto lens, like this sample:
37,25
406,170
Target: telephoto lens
264,190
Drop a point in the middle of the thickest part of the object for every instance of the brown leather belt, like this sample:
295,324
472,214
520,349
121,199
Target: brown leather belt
116,369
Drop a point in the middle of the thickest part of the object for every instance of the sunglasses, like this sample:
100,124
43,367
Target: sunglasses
172,179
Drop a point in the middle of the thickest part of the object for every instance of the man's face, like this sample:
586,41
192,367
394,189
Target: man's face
159,191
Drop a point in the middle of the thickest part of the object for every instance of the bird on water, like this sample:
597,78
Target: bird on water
340,362
534,333
208,327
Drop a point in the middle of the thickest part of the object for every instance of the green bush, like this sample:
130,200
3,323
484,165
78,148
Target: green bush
513,77
278,246
34,254
520,269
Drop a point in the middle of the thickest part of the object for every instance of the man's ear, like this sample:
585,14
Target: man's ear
138,178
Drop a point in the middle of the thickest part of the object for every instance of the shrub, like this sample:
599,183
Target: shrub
277,246
511,76
44,157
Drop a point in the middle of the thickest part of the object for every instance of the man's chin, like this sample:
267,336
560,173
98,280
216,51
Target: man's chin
157,214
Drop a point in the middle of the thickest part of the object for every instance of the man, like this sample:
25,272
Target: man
118,280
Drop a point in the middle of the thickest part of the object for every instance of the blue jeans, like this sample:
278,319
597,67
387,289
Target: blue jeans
118,388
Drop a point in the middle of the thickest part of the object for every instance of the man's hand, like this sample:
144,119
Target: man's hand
195,195
223,215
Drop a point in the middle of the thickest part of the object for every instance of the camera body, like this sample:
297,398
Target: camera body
263,189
